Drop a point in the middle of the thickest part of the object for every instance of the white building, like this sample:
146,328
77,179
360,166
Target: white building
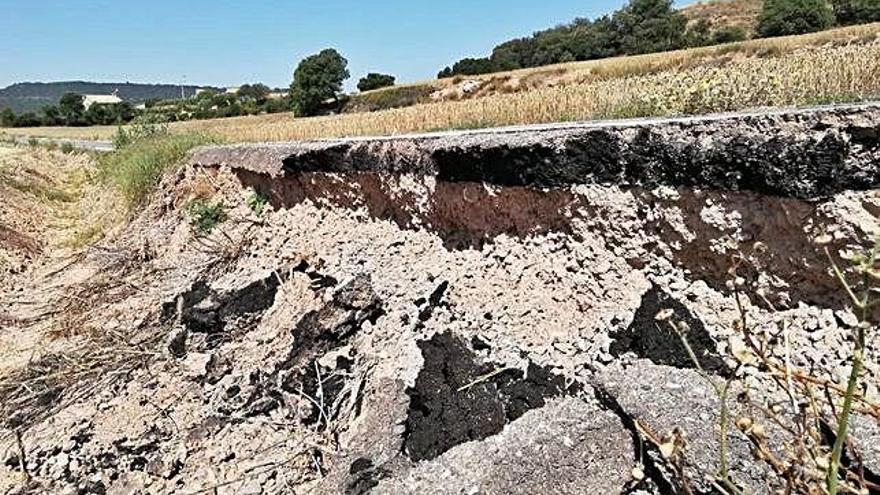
90,100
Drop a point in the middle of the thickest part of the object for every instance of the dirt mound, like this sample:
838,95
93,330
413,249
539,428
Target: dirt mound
375,329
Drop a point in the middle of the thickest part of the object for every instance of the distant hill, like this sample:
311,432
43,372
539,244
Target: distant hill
32,96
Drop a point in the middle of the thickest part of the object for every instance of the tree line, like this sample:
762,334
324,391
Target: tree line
71,111
317,88
648,26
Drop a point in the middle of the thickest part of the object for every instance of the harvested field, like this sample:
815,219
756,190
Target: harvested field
841,65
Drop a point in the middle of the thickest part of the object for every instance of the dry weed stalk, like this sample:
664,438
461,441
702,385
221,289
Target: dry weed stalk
809,466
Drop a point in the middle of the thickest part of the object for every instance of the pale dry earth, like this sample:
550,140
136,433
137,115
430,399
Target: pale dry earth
395,323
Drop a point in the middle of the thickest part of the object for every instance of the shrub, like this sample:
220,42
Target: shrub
72,109
137,167
375,81
786,17
729,34
856,11
258,92
28,119
318,78
7,118
257,203
394,97
145,129
67,147
204,215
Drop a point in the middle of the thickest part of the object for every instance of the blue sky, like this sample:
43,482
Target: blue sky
225,43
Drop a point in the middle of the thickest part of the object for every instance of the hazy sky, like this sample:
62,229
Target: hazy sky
225,43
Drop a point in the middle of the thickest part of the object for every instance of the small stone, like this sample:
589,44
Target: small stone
638,474
58,466
197,364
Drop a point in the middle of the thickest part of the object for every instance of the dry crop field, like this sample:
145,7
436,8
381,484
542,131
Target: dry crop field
841,65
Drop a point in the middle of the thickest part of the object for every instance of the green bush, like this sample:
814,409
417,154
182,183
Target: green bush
7,118
383,99
375,81
856,11
787,17
137,167
729,34
257,203
146,128
67,147
204,215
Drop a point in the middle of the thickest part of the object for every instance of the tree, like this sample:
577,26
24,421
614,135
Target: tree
7,118
318,78
71,108
513,54
642,26
99,114
647,26
258,92
856,11
375,81
473,66
28,119
698,34
785,17
52,116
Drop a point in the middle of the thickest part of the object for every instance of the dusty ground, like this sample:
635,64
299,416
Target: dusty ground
51,208
394,332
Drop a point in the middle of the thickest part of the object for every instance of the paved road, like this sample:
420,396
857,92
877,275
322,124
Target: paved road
81,144
107,146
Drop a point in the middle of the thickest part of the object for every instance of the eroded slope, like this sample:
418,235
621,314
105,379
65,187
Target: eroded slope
363,322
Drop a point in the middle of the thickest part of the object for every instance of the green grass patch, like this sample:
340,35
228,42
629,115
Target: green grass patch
137,168
205,215
257,202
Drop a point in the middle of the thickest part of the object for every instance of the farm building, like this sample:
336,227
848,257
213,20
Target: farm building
90,100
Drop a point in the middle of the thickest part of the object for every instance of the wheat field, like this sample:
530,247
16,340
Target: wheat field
836,66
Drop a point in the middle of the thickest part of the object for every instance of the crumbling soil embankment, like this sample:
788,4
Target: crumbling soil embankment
477,314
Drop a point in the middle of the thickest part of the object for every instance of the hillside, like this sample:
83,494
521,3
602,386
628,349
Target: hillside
637,28
32,96
718,13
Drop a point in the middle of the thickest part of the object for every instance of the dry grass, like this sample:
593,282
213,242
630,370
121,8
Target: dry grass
55,198
741,13
841,65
